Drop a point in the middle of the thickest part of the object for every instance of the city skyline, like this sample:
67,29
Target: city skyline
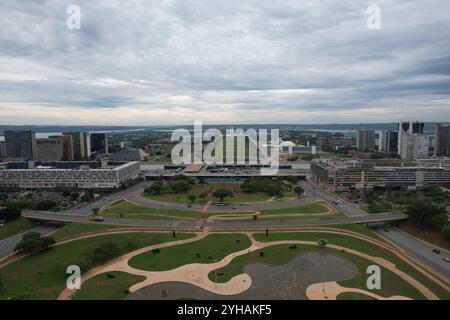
223,62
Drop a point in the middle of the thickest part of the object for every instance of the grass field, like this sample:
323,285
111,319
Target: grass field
353,296
15,227
107,286
209,189
303,209
359,245
75,230
213,247
43,276
134,211
283,254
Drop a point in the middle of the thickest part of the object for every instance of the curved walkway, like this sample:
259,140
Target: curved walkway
197,274
331,290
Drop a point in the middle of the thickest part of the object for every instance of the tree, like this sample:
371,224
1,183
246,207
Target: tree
222,194
156,188
181,186
203,195
1,282
427,214
446,230
10,214
95,211
322,243
192,198
299,191
32,243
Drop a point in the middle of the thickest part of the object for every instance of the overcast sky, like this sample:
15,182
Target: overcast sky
146,62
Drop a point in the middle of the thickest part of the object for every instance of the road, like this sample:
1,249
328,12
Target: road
133,194
349,209
7,245
236,225
420,250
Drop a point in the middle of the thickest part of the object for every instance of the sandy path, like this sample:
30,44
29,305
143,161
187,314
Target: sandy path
197,274
331,290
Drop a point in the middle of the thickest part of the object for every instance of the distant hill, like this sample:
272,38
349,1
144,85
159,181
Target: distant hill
429,127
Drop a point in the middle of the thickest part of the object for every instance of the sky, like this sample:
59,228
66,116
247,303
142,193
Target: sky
152,62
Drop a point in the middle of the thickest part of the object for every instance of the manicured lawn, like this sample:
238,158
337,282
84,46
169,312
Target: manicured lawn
75,230
209,189
293,217
304,209
213,247
43,276
353,296
359,245
134,211
107,286
12,228
283,254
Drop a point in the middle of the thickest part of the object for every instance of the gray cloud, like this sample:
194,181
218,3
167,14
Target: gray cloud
153,62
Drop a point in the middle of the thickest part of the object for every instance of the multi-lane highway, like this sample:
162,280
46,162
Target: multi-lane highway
421,250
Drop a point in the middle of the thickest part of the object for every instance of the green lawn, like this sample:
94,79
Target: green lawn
134,211
353,296
197,190
308,217
359,245
75,230
214,246
283,254
303,209
12,228
107,286
43,276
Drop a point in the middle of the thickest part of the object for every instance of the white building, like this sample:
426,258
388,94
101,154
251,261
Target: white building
414,146
66,175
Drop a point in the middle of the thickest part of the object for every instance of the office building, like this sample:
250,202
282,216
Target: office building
69,175
81,144
129,155
386,141
365,140
2,149
442,140
50,149
414,146
343,175
99,143
408,127
20,144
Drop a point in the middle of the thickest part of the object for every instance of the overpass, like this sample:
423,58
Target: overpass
39,217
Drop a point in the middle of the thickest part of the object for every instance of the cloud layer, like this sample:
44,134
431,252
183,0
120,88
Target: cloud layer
144,62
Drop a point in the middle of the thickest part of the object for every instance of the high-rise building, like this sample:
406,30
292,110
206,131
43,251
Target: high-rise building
81,144
442,140
408,127
365,140
21,144
386,141
99,143
2,149
414,146
50,149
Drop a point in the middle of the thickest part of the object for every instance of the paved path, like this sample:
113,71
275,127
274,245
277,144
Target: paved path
420,250
197,274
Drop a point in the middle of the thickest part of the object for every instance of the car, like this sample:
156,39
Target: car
437,251
386,230
97,219
446,259
189,206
